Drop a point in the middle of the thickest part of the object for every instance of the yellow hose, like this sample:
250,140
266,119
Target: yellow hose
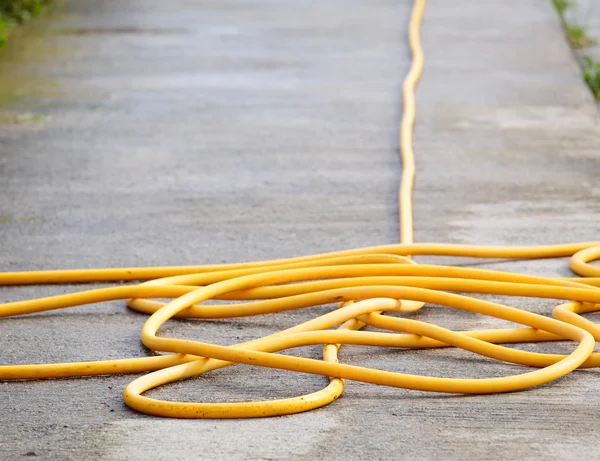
366,282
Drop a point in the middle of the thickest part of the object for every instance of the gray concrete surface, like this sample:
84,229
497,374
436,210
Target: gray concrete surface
146,132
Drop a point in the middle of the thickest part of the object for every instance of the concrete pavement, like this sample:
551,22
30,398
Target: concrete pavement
158,133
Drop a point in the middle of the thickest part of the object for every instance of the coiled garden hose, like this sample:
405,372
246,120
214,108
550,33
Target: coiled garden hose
366,282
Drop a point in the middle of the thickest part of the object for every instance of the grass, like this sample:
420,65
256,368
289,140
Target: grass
591,75
561,6
15,12
578,38
576,34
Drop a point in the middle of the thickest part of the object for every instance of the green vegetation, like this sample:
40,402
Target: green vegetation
591,74
576,34
14,12
561,6
578,39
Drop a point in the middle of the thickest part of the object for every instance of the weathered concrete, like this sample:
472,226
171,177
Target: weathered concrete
202,132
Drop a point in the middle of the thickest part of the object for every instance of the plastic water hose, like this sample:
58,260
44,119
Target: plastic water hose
367,284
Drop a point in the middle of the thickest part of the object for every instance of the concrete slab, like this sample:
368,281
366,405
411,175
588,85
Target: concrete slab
187,133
